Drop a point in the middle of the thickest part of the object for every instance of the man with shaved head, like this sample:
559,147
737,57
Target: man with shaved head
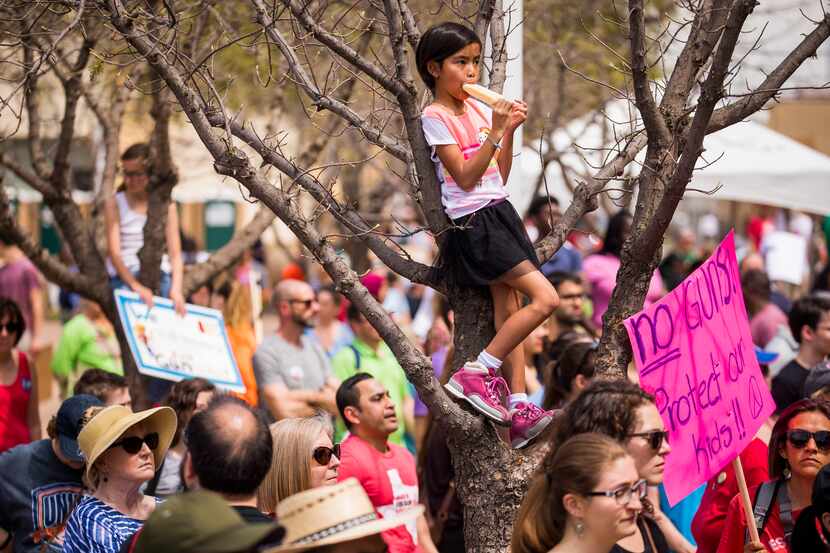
229,450
292,370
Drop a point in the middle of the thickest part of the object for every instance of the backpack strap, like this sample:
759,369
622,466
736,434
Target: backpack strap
356,357
763,501
786,509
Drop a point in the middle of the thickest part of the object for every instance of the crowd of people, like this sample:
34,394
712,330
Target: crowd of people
329,447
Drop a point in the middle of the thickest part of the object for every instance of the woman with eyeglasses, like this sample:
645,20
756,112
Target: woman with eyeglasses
585,498
304,458
621,410
122,450
798,448
19,417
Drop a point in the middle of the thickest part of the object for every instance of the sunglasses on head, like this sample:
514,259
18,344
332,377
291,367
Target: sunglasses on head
323,454
132,445
654,438
799,438
11,328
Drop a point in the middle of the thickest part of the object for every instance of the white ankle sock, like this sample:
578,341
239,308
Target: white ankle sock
515,399
488,360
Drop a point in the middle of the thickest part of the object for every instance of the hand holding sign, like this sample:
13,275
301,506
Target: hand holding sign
694,353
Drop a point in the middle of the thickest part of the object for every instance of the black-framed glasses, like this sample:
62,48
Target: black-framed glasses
623,494
132,445
654,438
799,438
11,328
323,454
305,303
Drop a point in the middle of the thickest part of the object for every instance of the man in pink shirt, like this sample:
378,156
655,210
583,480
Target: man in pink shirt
385,470
764,316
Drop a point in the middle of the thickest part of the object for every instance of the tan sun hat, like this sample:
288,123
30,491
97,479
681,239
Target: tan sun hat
333,514
109,425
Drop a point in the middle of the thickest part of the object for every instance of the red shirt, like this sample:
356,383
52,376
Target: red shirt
734,531
14,405
707,525
390,481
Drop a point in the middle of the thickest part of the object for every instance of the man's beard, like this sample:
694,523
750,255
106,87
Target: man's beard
568,320
301,322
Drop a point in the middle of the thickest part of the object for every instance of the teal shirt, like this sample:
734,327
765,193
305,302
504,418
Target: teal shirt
383,367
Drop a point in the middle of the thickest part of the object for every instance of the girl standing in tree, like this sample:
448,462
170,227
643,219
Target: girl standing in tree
472,148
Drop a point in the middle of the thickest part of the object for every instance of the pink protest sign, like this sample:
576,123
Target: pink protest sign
695,354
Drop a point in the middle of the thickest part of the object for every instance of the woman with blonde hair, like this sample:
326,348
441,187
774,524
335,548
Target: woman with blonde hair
584,498
237,311
304,458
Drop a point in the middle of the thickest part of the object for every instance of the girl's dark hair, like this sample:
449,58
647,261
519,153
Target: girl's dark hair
605,406
615,233
140,150
577,358
182,399
573,468
9,309
777,440
440,42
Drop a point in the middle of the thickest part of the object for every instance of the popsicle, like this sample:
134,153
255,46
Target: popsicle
481,93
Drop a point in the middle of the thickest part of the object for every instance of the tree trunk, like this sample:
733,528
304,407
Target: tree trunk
486,467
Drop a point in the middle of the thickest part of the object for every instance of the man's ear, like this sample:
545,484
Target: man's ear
350,413
807,333
188,474
825,521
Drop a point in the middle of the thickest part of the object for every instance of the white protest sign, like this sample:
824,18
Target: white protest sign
171,347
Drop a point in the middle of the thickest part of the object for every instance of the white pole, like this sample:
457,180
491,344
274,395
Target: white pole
519,188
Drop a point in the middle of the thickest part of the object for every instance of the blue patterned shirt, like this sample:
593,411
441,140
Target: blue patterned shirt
95,527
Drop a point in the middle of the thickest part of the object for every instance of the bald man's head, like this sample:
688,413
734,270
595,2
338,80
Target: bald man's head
296,303
230,447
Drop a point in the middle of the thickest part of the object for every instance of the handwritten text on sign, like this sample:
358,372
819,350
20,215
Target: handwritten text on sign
694,353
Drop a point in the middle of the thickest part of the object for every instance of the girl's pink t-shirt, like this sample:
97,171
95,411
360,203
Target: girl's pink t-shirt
468,131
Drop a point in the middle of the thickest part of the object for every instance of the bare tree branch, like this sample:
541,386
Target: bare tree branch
654,123
323,101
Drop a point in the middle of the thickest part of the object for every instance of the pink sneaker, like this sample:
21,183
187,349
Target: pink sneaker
482,389
528,422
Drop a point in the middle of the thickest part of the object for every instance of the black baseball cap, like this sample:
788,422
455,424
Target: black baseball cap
821,491
817,378
68,423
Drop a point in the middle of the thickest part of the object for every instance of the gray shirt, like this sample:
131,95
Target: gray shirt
297,368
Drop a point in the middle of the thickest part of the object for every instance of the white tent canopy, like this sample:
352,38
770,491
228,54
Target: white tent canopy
750,162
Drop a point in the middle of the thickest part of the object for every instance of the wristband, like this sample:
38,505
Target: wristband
495,144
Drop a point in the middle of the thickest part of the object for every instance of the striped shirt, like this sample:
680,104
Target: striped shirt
95,527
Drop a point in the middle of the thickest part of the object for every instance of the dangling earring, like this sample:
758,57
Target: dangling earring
786,473
579,527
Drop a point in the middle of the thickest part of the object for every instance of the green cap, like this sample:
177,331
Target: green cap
201,522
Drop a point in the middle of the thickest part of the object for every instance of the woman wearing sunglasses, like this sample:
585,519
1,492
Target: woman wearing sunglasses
19,418
584,498
304,458
621,410
798,448
122,450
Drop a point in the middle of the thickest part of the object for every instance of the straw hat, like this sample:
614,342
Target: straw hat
333,514
109,425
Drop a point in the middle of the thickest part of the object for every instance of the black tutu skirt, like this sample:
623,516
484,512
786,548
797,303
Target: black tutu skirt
487,246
